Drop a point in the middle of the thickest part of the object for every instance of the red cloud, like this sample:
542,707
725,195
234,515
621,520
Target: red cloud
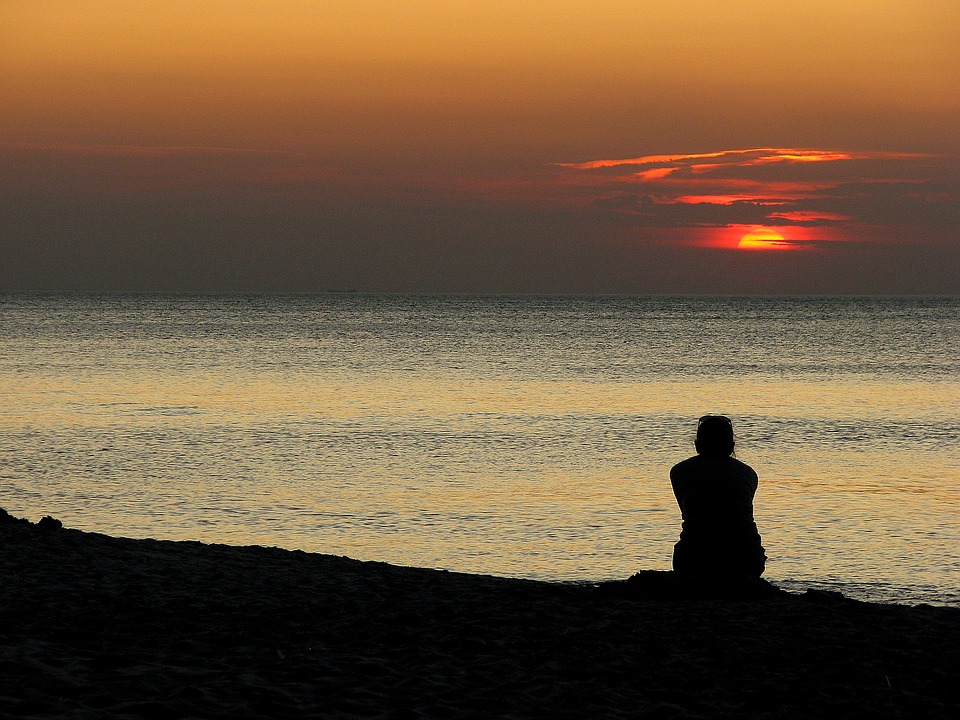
843,190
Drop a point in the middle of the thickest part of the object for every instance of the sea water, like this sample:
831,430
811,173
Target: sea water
511,435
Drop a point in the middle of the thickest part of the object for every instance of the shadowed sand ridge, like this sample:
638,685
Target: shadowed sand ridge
96,626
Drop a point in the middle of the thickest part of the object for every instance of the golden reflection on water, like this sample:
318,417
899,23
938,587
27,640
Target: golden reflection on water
339,395
478,474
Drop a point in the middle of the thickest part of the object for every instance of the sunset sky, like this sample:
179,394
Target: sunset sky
483,146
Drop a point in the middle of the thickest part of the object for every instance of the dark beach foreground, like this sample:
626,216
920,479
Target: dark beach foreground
96,626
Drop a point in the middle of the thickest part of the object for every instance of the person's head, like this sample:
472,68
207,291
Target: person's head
714,436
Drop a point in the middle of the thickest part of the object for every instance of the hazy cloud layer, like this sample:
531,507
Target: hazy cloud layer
185,218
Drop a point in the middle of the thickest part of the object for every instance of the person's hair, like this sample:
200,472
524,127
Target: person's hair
714,436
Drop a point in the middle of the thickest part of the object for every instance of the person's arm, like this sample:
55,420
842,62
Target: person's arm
678,484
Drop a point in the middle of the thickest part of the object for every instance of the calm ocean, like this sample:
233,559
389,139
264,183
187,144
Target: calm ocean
519,436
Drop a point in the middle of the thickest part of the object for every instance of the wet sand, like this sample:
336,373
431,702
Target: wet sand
96,626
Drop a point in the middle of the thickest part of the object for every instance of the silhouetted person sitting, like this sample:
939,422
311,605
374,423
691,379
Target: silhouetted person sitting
715,493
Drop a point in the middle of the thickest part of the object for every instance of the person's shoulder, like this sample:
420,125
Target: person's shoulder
744,469
684,467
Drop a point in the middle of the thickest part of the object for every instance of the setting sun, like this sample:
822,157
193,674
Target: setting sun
763,239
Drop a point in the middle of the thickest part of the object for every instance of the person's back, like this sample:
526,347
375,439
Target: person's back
715,493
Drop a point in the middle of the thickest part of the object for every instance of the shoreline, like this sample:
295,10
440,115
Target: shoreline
881,592
102,626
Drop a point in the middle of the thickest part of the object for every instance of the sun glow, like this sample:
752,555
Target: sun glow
763,239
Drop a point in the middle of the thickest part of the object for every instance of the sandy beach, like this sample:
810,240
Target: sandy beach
95,626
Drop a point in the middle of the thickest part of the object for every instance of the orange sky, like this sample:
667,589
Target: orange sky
412,118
